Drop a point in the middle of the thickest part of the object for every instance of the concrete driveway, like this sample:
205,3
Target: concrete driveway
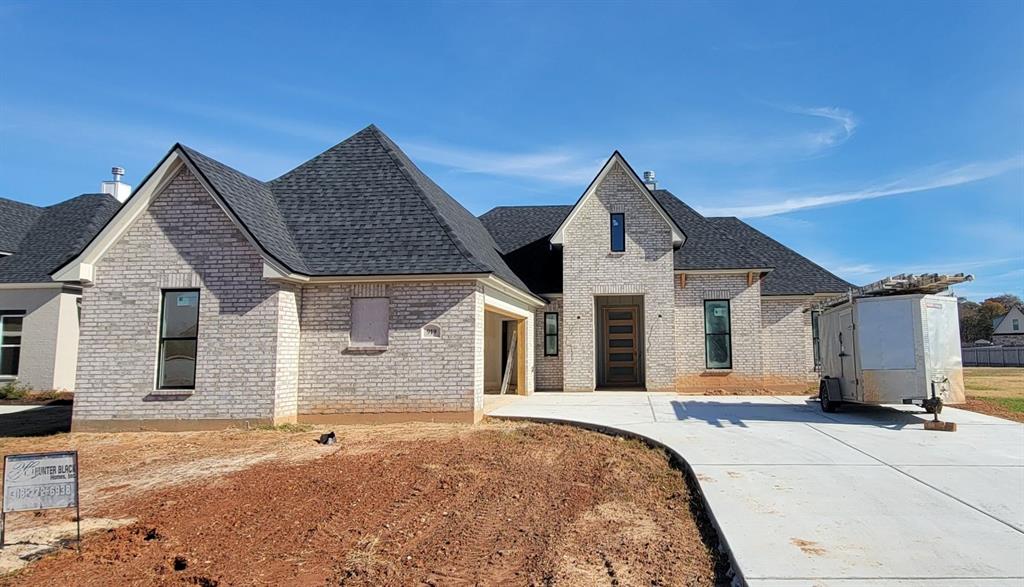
865,496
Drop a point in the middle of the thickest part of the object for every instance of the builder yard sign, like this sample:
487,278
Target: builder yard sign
39,481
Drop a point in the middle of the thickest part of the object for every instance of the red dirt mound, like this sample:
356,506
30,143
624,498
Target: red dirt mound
524,505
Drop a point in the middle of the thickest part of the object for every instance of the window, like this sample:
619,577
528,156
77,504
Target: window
1016,324
10,343
550,334
816,338
369,322
179,336
618,232
717,337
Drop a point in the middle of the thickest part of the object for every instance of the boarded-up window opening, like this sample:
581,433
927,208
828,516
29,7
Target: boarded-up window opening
369,322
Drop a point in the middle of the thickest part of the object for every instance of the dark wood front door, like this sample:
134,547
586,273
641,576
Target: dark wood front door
621,341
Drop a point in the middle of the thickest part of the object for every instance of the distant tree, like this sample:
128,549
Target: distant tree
1008,301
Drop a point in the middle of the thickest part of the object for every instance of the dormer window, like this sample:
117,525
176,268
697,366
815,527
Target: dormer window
618,232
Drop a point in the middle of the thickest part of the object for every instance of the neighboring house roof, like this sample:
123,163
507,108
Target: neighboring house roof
1016,312
16,218
711,243
360,208
58,233
793,274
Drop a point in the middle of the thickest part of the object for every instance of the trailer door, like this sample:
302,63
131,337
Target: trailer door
847,359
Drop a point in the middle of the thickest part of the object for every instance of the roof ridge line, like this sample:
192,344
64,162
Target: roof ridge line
233,213
372,128
438,217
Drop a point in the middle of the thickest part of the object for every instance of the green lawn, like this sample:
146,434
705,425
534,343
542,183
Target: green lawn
996,390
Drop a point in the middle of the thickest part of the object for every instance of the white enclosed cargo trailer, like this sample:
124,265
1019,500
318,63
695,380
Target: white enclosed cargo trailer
891,349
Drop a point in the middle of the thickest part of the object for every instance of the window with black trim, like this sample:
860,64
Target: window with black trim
717,334
10,342
618,232
179,338
550,334
816,337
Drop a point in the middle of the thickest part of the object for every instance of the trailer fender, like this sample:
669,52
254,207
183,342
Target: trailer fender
831,386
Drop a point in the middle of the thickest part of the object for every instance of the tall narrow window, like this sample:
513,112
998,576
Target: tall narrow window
10,343
369,322
179,336
550,334
1016,324
816,338
717,336
618,232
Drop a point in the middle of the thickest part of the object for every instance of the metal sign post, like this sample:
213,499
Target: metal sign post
40,481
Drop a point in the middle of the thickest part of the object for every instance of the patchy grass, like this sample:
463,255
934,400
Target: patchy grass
994,381
997,391
13,390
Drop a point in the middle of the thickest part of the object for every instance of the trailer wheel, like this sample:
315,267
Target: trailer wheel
827,405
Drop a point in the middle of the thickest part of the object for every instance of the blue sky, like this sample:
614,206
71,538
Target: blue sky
875,138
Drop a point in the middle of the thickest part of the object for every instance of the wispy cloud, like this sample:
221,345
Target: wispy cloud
930,179
842,130
320,133
126,139
555,165
805,132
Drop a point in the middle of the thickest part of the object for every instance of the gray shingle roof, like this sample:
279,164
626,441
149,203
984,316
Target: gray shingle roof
254,204
514,227
706,246
793,274
361,207
16,218
59,233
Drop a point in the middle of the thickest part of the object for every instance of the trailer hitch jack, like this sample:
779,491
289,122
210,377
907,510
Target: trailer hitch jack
933,406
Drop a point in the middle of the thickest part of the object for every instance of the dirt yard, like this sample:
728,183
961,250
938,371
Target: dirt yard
499,503
997,391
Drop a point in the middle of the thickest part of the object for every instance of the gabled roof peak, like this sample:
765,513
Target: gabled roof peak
678,237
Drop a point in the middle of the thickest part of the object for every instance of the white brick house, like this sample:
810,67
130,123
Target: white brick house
353,288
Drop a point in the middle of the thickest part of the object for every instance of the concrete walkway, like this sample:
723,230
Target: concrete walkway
865,496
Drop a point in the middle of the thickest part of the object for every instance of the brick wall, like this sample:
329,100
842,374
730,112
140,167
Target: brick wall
414,374
745,317
547,370
184,240
787,346
590,269
289,300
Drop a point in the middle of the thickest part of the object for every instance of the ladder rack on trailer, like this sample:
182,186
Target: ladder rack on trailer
904,283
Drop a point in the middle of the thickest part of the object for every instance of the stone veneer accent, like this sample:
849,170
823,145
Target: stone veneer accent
547,370
591,269
183,240
1008,339
414,374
